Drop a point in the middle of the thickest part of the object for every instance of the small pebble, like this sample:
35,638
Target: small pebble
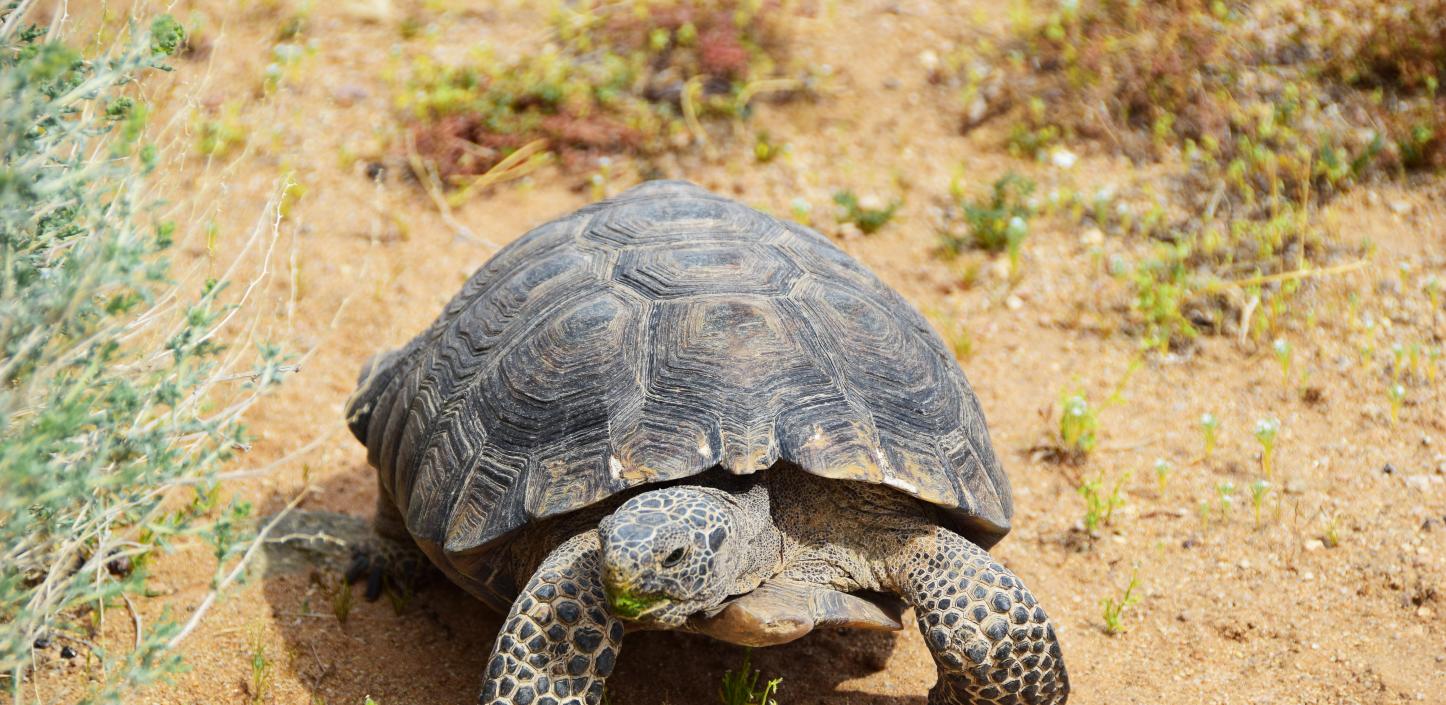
67,652
1314,545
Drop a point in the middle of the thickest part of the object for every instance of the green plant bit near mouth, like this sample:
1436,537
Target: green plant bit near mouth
630,606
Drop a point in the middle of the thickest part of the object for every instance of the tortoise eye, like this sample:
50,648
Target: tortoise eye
673,558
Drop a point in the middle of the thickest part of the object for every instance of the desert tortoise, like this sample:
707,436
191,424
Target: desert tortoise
671,411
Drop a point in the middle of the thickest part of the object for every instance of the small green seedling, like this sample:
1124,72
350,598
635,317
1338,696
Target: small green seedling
1077,426
1283,354
1114,610
1433,360
341,600
1265,432
741,688
1204,515
1432,286
1397,394
1331,537
1100,506
260,685
802,210
1398,359
1226,492
867,219
1162,473
1208,427
1259,490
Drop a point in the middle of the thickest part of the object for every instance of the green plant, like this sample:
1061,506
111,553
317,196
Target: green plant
1163,287
260,686
1100,505
741,687
1077,426
1162,473
342,600
1398,360
1283,354
997,224
1258,492
115,404
1114,608
1225,493
1209,426
1396,393
866,218
1265,432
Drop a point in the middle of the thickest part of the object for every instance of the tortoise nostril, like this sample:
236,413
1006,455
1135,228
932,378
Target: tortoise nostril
674,557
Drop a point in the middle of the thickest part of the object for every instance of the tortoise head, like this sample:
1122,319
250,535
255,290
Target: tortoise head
668,554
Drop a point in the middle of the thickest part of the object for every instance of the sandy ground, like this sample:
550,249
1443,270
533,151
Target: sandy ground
1231,611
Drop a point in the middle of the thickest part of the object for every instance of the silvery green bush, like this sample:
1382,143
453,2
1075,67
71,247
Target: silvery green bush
116,408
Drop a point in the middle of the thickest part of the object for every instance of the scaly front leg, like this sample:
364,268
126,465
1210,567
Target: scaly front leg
559,642
991,641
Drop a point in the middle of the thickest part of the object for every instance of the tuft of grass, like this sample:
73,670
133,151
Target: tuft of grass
259,688
116,405
867,218
342,600
1259,490
1162,473
1209,428
1100,505
997,223
1283,356
1266,431
1396,394
741,687
1078,426
1115,608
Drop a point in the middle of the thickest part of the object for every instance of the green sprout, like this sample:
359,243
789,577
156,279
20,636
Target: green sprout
1114,610
1208,426
260,685
1258,491
1265,432
1397,394
1077,426
1398,358
1162,473
1100,506
802,210
741,687
1432,286
1283,354
1433,360
1226,492
1204,515
867,219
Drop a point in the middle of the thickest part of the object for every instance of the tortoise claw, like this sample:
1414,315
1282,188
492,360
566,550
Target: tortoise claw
384,570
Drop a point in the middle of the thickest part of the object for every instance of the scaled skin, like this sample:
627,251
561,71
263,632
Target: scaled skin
672,558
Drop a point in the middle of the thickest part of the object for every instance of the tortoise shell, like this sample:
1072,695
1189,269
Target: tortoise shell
652,337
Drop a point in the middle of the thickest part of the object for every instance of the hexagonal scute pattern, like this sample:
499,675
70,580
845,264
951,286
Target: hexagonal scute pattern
649,338
707,269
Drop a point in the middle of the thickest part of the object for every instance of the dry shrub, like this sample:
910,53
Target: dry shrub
618,77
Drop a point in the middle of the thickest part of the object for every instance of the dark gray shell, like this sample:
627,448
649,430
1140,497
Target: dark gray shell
654,336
